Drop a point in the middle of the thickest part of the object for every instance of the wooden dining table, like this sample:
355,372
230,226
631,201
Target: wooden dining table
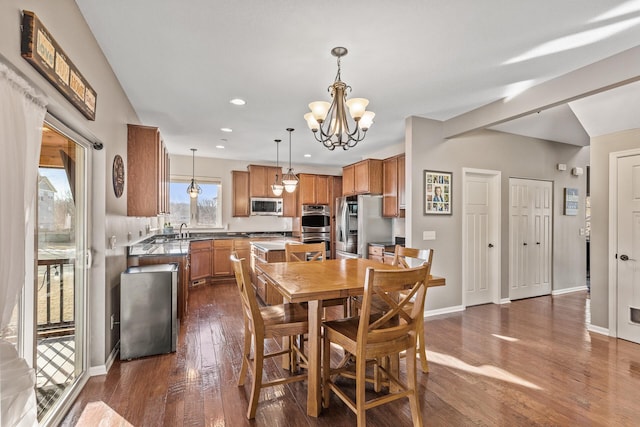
313,282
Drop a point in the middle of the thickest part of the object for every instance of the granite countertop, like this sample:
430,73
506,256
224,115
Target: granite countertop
272,245
171,245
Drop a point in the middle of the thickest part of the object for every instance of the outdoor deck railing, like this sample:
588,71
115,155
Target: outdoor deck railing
56,324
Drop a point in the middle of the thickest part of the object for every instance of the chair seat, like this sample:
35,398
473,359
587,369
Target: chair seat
285,318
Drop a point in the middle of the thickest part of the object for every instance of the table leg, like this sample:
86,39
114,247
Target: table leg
314,394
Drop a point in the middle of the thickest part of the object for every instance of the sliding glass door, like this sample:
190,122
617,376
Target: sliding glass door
59,294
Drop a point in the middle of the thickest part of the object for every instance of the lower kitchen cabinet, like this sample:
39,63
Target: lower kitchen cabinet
221,258
201,260
267,293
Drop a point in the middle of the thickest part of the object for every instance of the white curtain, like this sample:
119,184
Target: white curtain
21,116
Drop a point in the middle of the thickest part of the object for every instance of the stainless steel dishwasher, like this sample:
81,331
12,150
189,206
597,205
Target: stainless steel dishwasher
148,310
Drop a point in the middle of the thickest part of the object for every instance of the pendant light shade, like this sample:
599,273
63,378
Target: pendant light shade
277,187
194,189
290,180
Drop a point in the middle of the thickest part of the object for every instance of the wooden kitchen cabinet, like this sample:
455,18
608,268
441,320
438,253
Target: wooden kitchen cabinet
261,178
393,187
349,180
147,172
364,177
240,190
290,203
243,248
201,261
314,189
267,293
221,257
402,184
376,253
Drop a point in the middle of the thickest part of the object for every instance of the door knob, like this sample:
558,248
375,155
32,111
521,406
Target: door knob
490,245
524,244
537,243
625,258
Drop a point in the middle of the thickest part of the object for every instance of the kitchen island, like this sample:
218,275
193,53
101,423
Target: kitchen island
264,252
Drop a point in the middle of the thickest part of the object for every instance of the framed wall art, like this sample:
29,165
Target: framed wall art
437,193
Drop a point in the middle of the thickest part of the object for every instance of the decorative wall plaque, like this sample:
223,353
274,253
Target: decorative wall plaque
118,175
45,55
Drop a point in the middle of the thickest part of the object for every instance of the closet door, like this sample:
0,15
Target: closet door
530,238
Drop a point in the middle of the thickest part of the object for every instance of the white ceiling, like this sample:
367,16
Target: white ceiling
181,62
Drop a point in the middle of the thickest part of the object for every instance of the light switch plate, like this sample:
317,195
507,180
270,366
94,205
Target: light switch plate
429,235
112,242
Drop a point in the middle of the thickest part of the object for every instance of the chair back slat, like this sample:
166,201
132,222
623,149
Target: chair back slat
402,256
250,305
386,285
295,252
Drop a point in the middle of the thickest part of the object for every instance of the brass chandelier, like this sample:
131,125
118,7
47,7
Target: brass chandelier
329,121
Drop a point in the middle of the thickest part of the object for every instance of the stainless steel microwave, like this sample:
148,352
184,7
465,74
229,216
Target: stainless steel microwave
266,206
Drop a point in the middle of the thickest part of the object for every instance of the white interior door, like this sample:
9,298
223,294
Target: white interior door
628,251
481,274
530,238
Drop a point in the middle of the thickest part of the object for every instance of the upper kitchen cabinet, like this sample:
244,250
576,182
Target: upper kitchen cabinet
240,189
393,187
290,203
261,178
364,177
148,172
314,189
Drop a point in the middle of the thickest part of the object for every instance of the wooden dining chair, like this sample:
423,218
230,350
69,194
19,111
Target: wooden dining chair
261,323
375,336
406,258
302,252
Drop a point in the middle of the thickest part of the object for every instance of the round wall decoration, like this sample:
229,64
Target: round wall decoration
118,175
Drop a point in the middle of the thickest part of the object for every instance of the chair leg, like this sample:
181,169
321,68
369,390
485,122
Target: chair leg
361,366
326,371
424,363
246,354
258,361
412,382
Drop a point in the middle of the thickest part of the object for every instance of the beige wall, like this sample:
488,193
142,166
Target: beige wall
601,147
514,156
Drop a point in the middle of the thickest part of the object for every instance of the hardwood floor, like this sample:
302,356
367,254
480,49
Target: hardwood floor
531,362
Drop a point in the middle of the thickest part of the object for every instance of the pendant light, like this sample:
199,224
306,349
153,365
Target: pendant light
194,189
290,180
277,187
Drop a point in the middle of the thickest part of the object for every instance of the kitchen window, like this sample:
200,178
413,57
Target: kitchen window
204,211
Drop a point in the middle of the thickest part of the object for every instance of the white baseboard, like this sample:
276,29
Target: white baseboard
568,290
598,329
505,301
104,369
446,310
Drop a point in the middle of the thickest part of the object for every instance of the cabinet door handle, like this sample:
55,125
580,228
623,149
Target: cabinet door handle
524,244
490,245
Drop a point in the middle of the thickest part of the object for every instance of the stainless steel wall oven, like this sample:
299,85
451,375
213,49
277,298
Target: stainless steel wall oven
316,225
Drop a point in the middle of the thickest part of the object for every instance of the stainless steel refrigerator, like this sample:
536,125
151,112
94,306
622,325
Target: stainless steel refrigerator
359,222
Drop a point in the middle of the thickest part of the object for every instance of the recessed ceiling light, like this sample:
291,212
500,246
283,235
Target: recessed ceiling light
238,101
219,146
226,129
307,155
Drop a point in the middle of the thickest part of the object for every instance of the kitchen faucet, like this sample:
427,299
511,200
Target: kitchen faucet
180,236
